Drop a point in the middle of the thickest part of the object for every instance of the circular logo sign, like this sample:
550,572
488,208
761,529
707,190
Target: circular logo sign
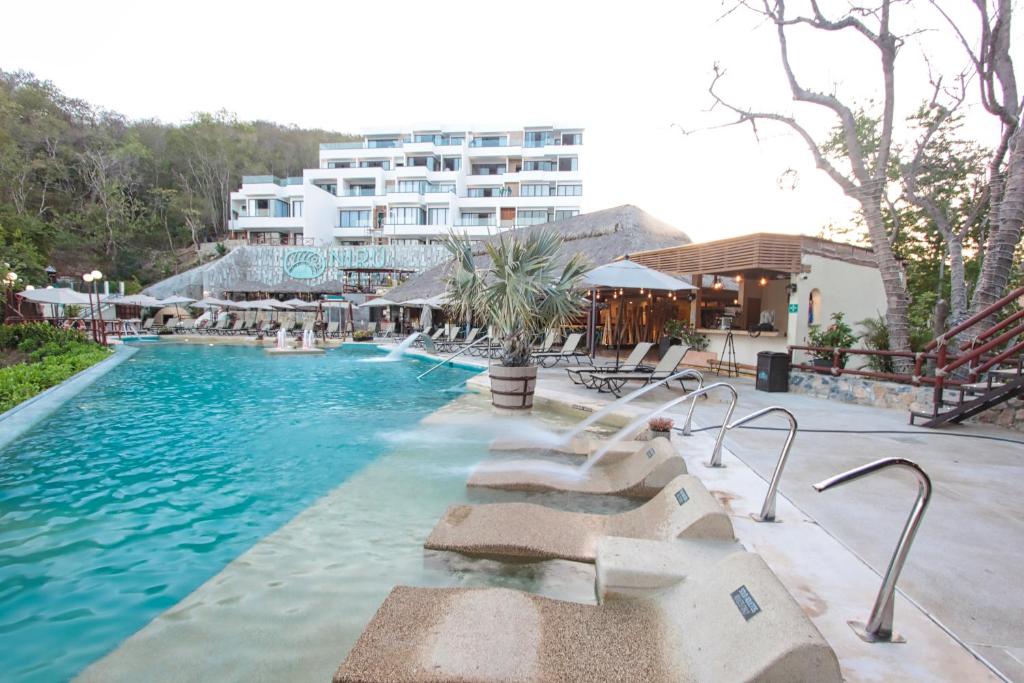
304,264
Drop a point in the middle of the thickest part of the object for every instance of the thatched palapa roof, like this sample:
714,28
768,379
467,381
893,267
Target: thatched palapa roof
601,236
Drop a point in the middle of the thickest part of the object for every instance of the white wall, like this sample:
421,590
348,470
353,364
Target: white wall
852,289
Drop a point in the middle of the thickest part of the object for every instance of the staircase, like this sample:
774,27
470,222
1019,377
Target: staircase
983,372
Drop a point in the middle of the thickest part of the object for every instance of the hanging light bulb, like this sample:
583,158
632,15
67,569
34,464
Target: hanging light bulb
641,290
739,278
763,281
717,284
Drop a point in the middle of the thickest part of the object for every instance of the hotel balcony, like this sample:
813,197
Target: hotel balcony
289,223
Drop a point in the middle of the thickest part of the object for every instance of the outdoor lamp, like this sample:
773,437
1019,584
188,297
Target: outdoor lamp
87,277
11,277
739,278
764,281
97,275
29,288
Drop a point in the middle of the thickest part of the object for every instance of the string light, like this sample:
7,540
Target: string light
641,290
763,281
717,284
739,278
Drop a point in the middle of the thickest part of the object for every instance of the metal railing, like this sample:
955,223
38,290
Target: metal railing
767,513
878,627
454,355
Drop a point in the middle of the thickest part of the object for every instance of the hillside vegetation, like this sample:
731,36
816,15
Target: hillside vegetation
82,187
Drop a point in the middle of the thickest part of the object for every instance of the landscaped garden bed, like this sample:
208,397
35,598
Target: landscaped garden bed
37,356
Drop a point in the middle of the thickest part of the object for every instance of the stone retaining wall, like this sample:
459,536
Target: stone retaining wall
869,392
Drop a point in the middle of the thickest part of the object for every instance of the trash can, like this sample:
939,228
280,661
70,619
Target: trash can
772,371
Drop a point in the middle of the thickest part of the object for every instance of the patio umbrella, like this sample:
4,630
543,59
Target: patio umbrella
176,300
301,305
210,303
142,300
378,302
59,296
625,274
426,317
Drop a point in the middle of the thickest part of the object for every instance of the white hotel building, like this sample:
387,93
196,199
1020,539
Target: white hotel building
413,187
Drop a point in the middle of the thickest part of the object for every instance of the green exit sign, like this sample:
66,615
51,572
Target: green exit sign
793,308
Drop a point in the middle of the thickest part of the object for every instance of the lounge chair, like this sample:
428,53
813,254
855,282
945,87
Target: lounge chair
429,346
731,619
332,329
385,331
631,364
236,328
147,326
666,367
169,325
185,326
683,509
569,351
449,346
641,475
549,341
219,328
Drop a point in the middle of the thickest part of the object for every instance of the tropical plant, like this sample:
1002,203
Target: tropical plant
677,329
876,337
521,294
838,335
660,424
362,335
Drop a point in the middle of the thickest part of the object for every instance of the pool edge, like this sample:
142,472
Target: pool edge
30,412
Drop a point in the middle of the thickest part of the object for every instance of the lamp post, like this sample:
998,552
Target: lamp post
87,279
9,279
96,277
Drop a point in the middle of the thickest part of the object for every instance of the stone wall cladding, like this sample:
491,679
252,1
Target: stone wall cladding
868,392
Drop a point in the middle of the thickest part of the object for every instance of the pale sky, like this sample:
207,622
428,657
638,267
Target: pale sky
624,71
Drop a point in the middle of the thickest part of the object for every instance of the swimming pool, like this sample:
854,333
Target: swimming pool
168,468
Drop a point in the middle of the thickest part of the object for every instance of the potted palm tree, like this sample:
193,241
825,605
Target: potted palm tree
521,294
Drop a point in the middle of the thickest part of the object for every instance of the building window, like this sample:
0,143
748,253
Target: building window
488,169
377,144
415,186
572,138
538,166
327,187
437,216
570,190
406,215
814,308
430,163
538,138
339,164
483,192
451,164
386,165
355,219
568,164
405,241
297,208
532,216
562,214
535,191
477,219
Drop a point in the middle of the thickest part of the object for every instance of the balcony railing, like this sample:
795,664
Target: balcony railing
361,192
487,142
276,241
263,179
467,222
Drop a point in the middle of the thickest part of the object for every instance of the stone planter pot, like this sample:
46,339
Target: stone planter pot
654,434
512,388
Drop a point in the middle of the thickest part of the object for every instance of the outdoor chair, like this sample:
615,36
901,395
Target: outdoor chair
569,351
633,363
147,326
169,325
237,328
332,329
450,346
666,367
549,341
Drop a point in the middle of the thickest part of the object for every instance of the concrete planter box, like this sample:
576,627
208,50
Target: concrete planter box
512,388
654,434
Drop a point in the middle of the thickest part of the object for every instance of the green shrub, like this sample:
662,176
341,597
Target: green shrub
362,335
54,355
838,335
690,337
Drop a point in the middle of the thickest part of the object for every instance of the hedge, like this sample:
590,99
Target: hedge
54,355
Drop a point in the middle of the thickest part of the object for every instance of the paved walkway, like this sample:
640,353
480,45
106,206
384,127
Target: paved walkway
965,565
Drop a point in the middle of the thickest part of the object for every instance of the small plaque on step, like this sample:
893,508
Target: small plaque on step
682,496
745,602
650,452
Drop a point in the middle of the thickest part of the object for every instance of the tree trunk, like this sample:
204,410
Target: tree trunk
957,281
892,282
1004,231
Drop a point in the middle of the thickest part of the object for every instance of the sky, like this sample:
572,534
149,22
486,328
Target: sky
633,75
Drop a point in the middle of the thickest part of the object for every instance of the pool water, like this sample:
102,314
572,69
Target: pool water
168,468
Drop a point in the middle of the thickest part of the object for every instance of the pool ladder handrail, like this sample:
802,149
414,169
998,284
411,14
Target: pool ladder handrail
716,453
879,624
767,513
635,424
454,355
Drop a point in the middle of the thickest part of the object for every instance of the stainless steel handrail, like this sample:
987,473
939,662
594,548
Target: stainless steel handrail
767,513
454,355
716,454
879,624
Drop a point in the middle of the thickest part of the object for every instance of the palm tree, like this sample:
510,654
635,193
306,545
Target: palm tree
521,294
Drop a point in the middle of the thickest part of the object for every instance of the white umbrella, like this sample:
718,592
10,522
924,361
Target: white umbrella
631,275
255,305
210,303
136,300
302,305
61,296
426,317
378,302
625,274
176,300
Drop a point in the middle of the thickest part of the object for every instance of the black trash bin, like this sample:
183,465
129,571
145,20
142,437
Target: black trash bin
772,371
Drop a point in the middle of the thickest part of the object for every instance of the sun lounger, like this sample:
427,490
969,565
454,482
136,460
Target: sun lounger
185,326
549,341
633,363
568,351
147,325
169,325
642,474
332,329
386,331
683,509
666,367
451,345
730,620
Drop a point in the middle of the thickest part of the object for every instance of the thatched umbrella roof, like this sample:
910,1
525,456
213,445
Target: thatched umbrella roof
600,236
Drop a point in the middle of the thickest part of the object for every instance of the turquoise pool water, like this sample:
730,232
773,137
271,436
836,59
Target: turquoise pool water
157,476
